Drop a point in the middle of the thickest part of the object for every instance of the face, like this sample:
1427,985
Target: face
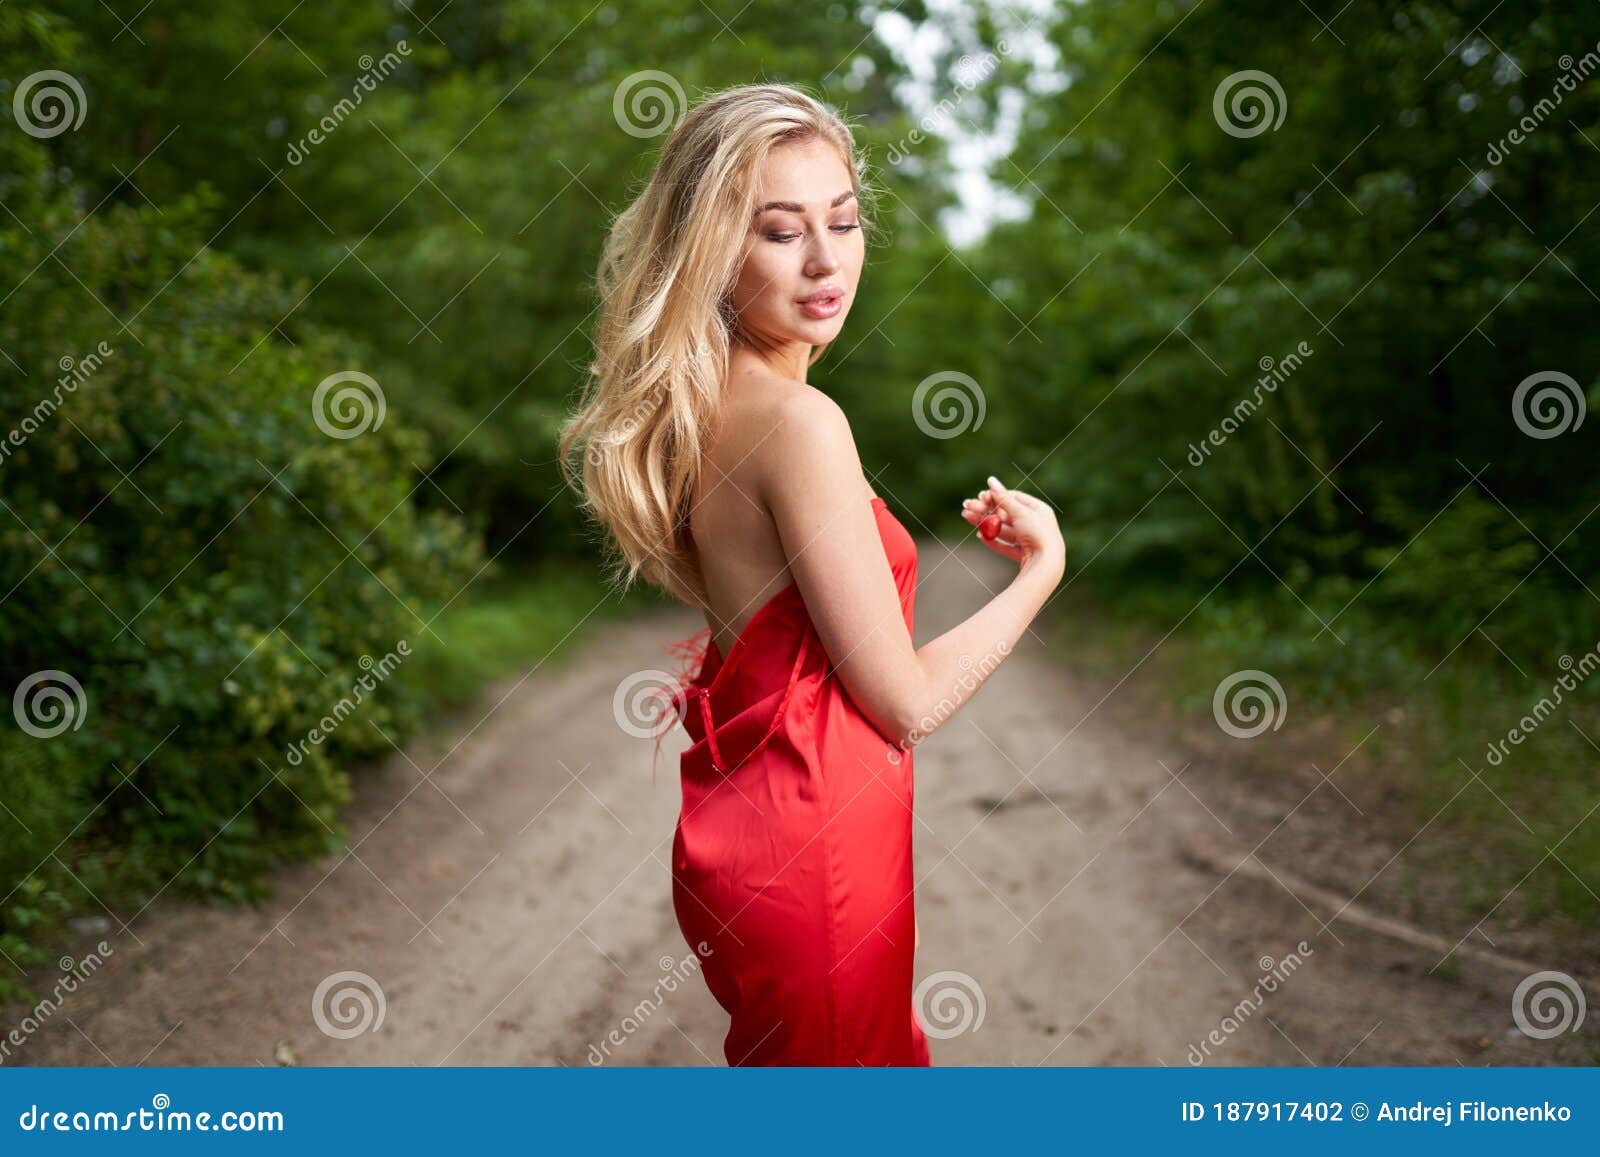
804,253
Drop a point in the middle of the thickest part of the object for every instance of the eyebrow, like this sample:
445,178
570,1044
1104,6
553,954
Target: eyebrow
796,207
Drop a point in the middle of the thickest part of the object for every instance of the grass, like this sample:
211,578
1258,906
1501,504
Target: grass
1523,832
502,624
505,623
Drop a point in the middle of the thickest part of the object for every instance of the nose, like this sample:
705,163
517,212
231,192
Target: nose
820,258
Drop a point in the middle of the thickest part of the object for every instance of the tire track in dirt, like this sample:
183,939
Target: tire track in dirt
506,886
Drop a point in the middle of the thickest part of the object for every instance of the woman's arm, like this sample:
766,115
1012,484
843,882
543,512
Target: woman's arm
961,660
813,484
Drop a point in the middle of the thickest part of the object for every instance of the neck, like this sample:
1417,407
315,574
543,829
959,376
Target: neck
787,359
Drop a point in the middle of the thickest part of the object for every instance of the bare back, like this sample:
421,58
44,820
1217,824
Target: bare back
740,553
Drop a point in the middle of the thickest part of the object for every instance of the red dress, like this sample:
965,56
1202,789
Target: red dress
791,862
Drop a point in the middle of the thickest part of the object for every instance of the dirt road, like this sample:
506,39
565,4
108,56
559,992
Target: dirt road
506,891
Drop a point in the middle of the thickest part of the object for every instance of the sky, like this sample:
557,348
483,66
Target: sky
985,184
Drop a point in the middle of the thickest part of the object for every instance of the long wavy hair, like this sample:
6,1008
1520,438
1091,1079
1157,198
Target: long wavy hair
653,394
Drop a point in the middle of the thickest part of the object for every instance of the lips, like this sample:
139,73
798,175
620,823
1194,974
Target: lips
823,303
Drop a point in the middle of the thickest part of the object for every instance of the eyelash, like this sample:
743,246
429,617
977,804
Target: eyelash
785,238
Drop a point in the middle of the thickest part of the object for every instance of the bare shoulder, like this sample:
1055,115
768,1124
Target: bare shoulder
777,403
810,448
805,410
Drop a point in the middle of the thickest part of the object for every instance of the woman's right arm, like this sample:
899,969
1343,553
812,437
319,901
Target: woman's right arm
959,661
813,487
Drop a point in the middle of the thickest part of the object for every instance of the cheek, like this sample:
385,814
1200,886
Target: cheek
858,254
763,277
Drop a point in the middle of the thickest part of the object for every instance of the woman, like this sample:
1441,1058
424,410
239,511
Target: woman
722,477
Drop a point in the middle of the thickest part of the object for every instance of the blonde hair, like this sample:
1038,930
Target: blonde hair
653,393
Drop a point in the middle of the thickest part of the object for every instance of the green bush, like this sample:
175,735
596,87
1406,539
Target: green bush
182,541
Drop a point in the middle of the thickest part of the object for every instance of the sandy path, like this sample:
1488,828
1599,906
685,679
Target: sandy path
513,906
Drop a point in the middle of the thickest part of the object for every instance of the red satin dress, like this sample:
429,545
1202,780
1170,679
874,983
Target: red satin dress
791,861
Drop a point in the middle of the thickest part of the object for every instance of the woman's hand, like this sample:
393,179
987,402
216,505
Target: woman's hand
1025,528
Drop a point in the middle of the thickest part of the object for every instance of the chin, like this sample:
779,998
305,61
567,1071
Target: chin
824,330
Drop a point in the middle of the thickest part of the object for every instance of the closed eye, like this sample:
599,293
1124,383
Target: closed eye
785,238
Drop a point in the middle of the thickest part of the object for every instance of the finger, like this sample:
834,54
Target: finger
1011,503
1022,497
1007,500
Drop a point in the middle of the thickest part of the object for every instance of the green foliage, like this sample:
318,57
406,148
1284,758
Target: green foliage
1373,523
180,540
183,540
178,536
